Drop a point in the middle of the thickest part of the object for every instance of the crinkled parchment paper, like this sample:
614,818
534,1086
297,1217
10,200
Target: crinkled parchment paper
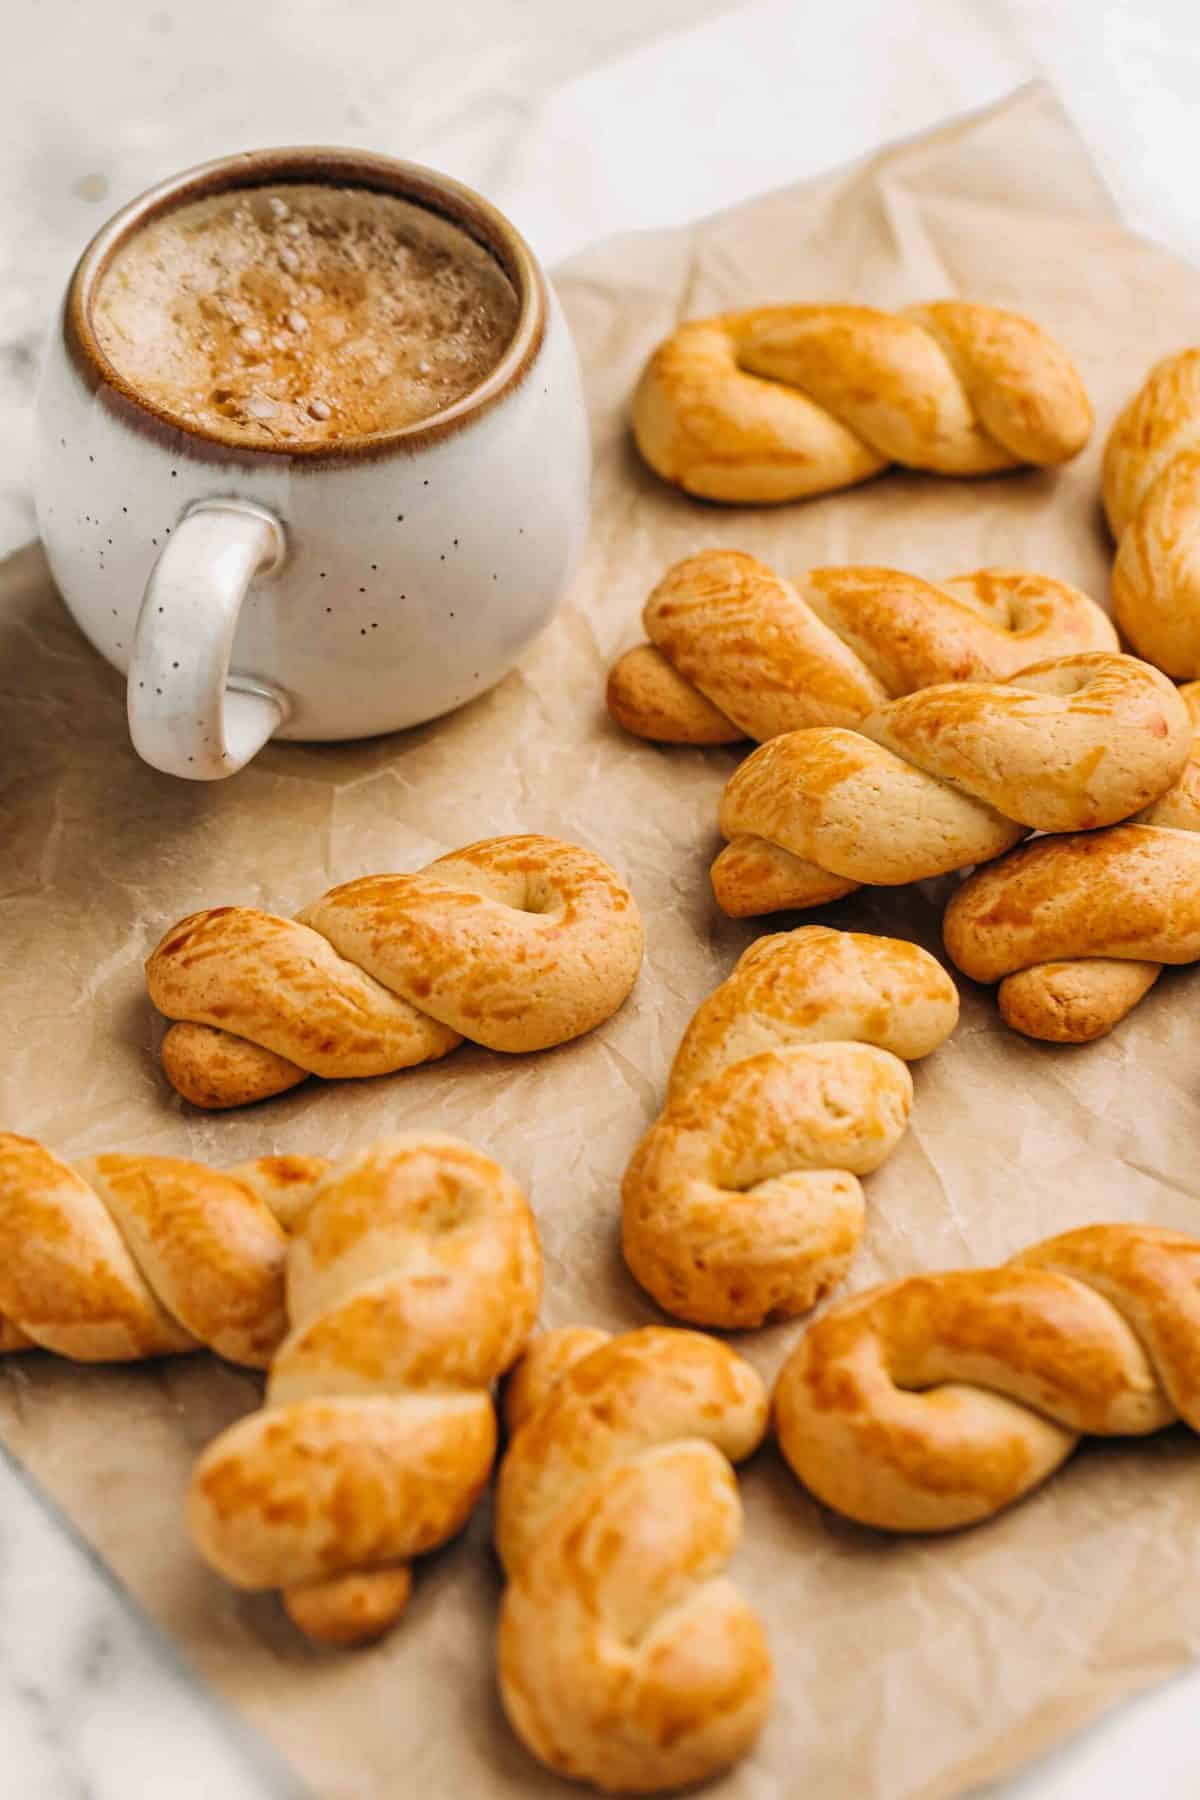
906,1668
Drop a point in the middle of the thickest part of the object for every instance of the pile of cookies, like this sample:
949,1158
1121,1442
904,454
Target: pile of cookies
989,726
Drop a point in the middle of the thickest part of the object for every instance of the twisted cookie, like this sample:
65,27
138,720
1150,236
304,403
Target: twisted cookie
736,651
626,1655
783,402
412,1283
1076,929
123,1257
947,777
936,1401
516,943
742,1202
1151,485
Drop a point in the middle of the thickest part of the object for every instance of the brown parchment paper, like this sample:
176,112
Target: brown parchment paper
906,1668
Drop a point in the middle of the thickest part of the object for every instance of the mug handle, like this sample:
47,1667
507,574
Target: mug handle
188,715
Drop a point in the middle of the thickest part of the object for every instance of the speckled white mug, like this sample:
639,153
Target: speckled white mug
316,592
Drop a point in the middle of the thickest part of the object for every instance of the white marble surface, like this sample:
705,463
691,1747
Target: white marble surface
94,1704
97,99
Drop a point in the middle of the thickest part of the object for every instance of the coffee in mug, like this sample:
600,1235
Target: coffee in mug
303,314
311,452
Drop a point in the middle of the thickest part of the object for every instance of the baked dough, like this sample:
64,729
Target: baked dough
119,1257
736,651
937,1401
783,402
946,778
742,1202
1151,485
1076,929
626,1655
516,943
413,1282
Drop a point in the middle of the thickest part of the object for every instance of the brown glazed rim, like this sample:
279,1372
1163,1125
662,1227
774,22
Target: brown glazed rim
336,168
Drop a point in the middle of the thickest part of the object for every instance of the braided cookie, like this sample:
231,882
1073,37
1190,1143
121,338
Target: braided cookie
1076,929
783,402
742,1202
117,1258
627,1657
936,1401
1151,483
736,651
412,1283
517,943
947,777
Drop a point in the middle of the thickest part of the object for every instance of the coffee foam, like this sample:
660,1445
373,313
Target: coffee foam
303,314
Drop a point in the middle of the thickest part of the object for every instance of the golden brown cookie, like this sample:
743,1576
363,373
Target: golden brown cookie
517,943
742,1202
936,1401
948,777
120,1257
627,1657
413,1282
783,402
736,651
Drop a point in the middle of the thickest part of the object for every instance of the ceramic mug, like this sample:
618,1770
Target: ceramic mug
315,592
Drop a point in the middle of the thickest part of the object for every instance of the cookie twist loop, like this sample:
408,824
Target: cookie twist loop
516,943
1151,483
736,651
1076,929
783,402
742,1203
627,1657
412,1284
121,1257
948,777
936,1401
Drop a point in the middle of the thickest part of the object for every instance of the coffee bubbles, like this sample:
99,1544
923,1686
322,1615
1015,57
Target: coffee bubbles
303,314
